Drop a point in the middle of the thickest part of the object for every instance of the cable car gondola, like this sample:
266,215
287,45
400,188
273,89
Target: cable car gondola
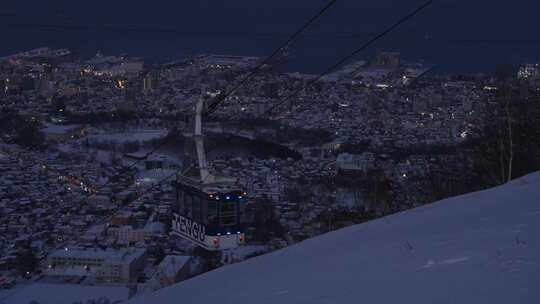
209,215
208,208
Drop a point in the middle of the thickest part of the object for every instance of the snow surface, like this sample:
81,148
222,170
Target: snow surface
64,294
172,264
482,247
59,129
139,135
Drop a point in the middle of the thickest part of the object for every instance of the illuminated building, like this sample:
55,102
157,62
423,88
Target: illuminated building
151,81
109,266
388,59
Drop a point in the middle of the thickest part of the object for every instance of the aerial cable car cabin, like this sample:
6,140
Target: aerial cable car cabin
208,208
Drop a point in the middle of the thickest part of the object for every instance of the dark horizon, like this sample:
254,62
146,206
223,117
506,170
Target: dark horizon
456,36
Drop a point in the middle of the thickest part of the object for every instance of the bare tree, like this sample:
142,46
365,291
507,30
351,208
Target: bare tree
508,145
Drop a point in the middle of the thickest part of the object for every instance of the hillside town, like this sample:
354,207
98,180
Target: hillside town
91,148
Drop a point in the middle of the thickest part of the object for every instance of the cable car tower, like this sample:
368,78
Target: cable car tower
208,207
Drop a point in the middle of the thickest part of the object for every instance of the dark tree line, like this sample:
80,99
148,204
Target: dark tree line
266,223
26,261
260,148
119,115
25,131
508,142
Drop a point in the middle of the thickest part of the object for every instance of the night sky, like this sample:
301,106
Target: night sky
456,35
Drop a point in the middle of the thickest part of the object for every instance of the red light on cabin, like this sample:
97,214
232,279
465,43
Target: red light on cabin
241,238
215,242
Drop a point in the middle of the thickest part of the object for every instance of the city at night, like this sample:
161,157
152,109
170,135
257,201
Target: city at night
291,152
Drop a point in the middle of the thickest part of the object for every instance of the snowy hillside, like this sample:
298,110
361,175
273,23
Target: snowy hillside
482,247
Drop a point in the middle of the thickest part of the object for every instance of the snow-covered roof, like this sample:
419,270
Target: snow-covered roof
480,247
59,129
155,227
109,255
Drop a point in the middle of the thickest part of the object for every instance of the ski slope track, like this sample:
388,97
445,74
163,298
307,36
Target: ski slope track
482,247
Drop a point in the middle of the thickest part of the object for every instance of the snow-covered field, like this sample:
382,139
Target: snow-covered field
483,247
63,293
136,135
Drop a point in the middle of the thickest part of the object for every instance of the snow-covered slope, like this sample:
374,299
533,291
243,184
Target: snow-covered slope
483,247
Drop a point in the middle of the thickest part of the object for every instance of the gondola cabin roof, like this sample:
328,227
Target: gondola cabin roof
220,185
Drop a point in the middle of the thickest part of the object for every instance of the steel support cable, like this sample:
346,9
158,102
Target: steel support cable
351,55
258,68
